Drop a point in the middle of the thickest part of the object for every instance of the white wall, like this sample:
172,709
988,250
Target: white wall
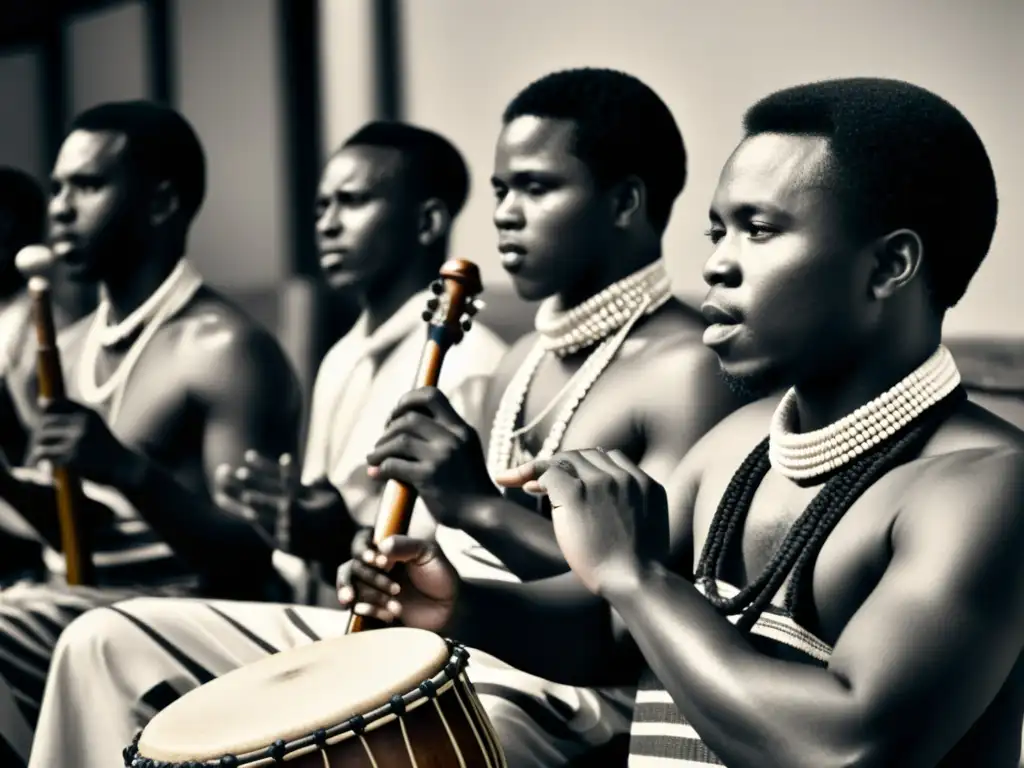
106,57
348,81
465,59
226,74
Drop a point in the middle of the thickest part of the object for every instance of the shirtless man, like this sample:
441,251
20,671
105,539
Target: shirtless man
166,380
386,205
896,640
584,187
22,214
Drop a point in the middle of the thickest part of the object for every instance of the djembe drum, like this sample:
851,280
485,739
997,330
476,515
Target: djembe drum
382,699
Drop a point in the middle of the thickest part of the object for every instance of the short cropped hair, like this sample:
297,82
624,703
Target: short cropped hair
622,128
23,200
900,157
162,145
435,168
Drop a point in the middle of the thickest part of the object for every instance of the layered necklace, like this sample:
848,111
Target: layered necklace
850,455
804,456
604,319
169,298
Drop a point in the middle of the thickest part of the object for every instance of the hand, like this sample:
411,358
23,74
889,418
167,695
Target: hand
268,493
73,436
429,446
610,518
421,590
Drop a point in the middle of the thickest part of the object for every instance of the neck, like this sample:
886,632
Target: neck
384,300
127,292
616,267
826,401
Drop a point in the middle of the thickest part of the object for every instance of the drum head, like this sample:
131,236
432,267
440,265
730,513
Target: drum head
293,693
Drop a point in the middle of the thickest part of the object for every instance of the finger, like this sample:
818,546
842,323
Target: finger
375,612
406,549
260,501
441,408
620,460
49,430
281,468
224,480
404,445
406,434
362,542
517,477
413,473
54,451
355,575
235,507
59,407
353,586
365,576
601,463
256,479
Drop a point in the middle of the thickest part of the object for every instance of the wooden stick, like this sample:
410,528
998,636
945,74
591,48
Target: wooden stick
462,281
68,488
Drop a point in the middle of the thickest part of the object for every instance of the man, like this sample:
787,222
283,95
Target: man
385,208
22,210
22,215
166,380
894,641
587,167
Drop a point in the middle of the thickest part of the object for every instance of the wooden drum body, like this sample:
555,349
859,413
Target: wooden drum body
389,698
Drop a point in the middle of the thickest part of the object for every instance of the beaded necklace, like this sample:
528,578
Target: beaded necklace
604,319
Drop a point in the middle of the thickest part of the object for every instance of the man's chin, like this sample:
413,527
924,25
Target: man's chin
77,271
531,290
343,280
751,383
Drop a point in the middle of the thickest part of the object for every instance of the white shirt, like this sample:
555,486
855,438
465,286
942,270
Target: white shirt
362,378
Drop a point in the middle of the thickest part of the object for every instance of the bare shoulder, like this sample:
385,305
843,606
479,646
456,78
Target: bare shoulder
221,344
975,463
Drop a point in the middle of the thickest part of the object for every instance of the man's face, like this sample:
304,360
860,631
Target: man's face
95,214
365,218
553,221
789,293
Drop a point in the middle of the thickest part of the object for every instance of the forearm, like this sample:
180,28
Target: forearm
552,629
218,545
36,503
751,710
523,540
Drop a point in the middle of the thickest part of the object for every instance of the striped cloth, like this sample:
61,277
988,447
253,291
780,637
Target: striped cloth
130,560
660,736
127,552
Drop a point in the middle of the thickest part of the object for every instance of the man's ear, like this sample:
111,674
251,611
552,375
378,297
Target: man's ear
898,260
434,222
164,203
629,197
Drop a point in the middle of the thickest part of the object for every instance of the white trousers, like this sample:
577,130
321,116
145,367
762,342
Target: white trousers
115,667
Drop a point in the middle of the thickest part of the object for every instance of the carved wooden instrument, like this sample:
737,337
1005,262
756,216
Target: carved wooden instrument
449,315
31,261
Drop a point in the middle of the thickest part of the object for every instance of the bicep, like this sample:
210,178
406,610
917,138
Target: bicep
938,637
678,416
256,406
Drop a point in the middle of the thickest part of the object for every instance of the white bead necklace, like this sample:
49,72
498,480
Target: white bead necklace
567,331
171,296
505,438
813,454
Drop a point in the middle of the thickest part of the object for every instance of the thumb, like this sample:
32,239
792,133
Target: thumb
408,550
